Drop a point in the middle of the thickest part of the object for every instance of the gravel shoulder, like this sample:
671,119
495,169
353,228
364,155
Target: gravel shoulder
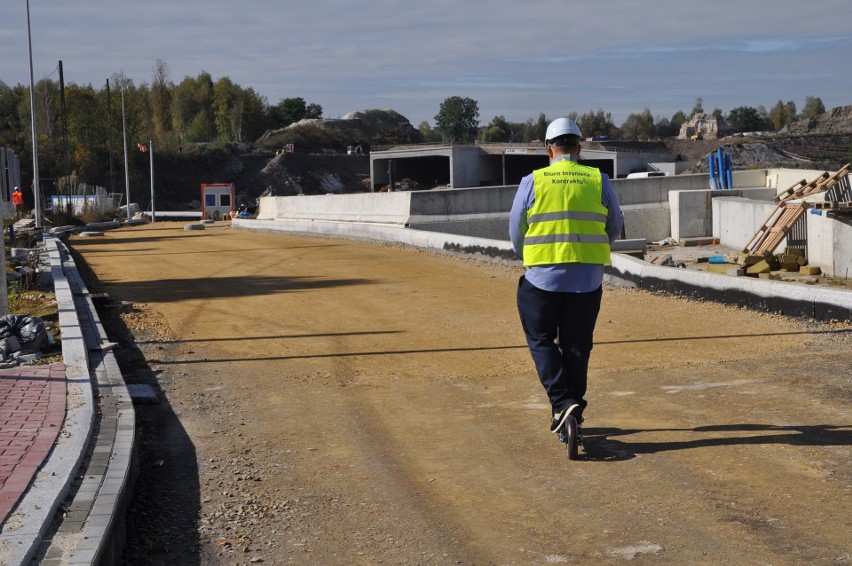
339,402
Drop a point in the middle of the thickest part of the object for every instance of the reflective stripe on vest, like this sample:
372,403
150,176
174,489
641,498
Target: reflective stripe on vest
567,222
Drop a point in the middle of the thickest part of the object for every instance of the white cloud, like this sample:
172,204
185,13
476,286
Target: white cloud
516,58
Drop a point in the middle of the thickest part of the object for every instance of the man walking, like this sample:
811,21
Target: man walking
18,201
563,220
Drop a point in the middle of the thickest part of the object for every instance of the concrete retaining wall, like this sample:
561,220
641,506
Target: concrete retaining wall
692,211
655,190
829,238
383,208
830,243
654,209
736,219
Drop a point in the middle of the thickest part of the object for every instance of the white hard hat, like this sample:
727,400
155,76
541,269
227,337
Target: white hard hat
561,127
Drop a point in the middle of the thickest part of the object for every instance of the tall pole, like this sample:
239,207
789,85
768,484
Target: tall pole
151,157
36,185
65,134
124,135
109,140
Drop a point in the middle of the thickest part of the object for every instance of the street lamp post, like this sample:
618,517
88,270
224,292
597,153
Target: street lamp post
36,187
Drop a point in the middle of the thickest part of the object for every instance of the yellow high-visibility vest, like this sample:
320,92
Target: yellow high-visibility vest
567,222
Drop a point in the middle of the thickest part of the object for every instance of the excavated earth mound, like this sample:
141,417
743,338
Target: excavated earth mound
310,174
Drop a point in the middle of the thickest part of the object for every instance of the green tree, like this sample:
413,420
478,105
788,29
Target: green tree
639,126
228,110
782,114
192,109
813,107
161,102
457,119
255,117
534,131
86,129
313,111
291,110
678,120
698,108
426,131
498,130
12,127
595,123
746,119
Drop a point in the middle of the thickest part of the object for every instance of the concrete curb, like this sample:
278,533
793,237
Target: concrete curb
101,496
812,301
52,483
791,299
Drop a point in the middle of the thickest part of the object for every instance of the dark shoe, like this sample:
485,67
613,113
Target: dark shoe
560,416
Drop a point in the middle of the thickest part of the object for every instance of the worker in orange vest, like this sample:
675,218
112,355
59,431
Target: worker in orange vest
18,201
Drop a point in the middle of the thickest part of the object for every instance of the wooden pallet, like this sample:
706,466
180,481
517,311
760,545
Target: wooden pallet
819,185
775,228
830,205
781,220
802,187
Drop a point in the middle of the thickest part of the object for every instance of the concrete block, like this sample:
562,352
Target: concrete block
760,267
689,242
736,272
717,268
809,270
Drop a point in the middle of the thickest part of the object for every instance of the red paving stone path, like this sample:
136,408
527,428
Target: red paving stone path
32,408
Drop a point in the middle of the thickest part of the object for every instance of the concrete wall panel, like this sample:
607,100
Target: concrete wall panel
386,208
649,221
738,219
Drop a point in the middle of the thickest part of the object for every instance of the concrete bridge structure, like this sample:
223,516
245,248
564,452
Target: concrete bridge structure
477,165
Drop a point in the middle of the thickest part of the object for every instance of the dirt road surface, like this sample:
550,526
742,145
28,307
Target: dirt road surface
337,402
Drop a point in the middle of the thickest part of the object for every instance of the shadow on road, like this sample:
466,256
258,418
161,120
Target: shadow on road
601,444
223,287
161,523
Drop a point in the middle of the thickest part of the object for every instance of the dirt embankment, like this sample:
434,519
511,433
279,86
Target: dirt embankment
825,152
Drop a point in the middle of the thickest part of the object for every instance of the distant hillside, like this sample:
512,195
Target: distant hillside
837,121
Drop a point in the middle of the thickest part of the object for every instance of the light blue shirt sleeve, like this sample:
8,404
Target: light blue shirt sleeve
524,200
614,219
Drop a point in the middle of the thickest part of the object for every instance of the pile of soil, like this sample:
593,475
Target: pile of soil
291,174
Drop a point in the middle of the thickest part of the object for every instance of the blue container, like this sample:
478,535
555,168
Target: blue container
711,168
720,168
729,174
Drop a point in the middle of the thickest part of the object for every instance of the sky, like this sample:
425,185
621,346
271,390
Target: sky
516,58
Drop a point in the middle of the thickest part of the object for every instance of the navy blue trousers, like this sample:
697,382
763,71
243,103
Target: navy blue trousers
546,315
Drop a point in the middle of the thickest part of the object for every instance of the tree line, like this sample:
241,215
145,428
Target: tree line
79,140
458,120
80,127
